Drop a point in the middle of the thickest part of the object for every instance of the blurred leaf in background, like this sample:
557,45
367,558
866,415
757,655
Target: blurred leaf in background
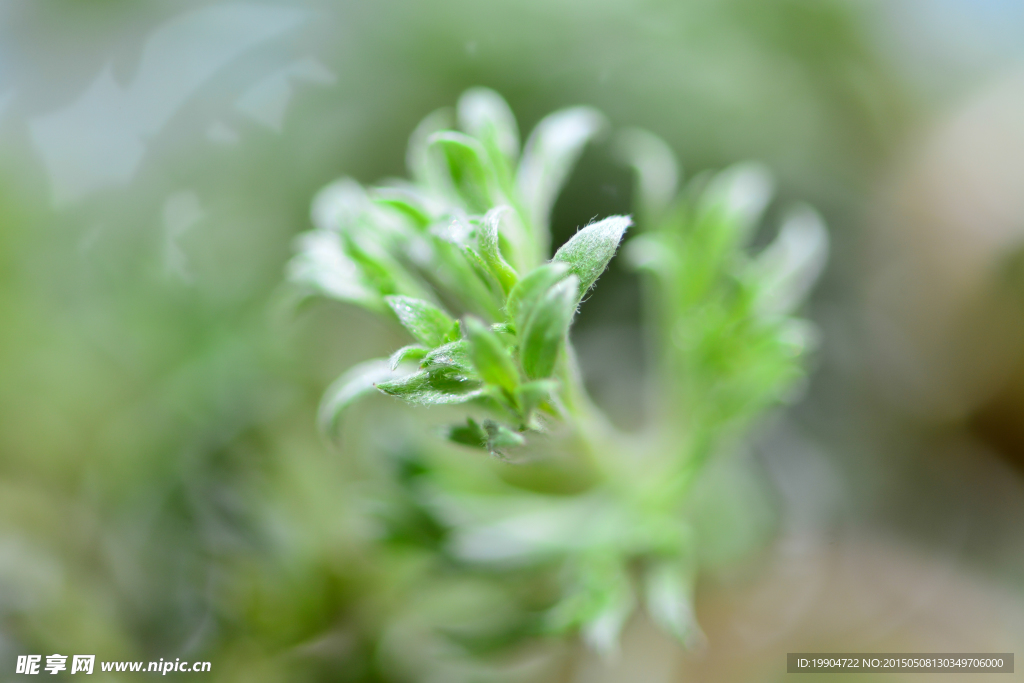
164,492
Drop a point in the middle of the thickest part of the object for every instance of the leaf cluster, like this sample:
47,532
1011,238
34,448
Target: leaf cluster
458,257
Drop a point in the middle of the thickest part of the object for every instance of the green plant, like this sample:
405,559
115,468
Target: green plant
591,518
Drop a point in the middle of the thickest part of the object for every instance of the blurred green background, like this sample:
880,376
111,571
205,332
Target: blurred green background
163,489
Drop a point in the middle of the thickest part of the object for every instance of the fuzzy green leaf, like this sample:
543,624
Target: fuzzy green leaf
471,174
417,156
530,395
453,357
657,173
742,192
488,239
544,333
484,274
653,252
492,362
469,434
324,267
339,205
528,291
550,153
424,321
485,115
616,602
460,276
668,589
412,352
500,437
347,389
490,436
588,251
432,388
378,267
405,203
789,266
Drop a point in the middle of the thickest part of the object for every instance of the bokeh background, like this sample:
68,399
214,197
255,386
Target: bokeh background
163,489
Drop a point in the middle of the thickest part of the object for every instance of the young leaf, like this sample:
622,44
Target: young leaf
451,357
424,321
487,238
456,274
484,274
469,434
492,362
339,205
550,153
657,173
544,333
789,266
653,252
601,632
530,395
379,268
470,172
344,391
417,157
590,249
528,291
323,266
499,437
668,589
406,203
429,388
412,352
485,115
742,191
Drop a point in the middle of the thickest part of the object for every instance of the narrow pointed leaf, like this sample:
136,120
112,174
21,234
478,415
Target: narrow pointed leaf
471,174
501,438
657,173
789,266
379,268
428,388
404,203
469,434
588,252
458,276
484,273
742,191
492,362
550,153
668,590
343,392
601,632
485,115
424,170
528,291
532,394
339,205
454,357
424,321
323,266
653,252
488,239
545,331
412,352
